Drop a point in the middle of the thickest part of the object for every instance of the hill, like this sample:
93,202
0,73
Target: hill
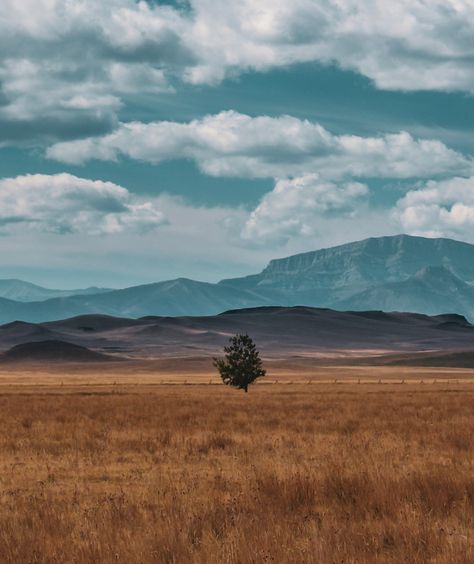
279,332
458,359
52,351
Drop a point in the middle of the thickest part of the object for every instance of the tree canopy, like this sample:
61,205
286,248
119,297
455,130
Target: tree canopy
241,364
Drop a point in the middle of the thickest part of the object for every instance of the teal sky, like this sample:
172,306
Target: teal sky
185,139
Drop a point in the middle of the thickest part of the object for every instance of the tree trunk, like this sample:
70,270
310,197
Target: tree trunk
246,388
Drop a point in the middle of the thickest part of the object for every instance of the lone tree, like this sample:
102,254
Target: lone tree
242,364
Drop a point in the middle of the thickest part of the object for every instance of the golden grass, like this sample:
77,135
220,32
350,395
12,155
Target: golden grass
206,474
145,376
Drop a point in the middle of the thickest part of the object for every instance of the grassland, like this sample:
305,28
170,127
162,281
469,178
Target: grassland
287,473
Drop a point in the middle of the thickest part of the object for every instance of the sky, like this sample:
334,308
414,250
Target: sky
144,141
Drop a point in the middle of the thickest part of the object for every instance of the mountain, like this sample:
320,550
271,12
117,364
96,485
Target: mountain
21,291
402,273
431,290
174,297
324,277
280,332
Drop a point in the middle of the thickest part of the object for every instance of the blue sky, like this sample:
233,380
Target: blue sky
141,141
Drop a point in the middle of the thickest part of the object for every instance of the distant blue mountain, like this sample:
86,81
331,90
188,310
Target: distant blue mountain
327,276
399,273
432,290
21,291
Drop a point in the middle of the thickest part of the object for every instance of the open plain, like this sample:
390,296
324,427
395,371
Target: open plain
162,465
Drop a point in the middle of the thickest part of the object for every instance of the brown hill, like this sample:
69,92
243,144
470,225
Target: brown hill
279,332
52,351
459,359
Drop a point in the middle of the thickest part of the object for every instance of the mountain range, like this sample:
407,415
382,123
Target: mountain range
397,273
21,291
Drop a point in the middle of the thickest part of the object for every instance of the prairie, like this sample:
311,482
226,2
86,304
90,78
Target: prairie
136,472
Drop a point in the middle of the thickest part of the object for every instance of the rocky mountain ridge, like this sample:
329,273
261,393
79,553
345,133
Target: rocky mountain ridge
398,273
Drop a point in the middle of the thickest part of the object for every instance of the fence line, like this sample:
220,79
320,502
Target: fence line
118,386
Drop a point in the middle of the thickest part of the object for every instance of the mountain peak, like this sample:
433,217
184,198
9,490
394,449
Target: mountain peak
386,243
330,277
399,272
22,291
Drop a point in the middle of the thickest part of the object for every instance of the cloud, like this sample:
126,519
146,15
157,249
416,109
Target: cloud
66,68
181,247
401,45
63,203
231,144
439,209
294,208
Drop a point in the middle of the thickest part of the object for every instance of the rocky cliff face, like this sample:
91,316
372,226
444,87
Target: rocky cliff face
400,273
328,276
433,290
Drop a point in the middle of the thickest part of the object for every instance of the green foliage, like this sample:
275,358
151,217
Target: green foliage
241,364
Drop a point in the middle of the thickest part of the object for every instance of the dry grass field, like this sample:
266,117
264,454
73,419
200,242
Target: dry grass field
327,473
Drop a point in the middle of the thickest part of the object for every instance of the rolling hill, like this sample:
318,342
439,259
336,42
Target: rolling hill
280,332
52,351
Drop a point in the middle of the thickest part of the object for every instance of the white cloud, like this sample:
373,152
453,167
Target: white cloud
438,209
295,207
63,203
192,242
198,242
233,144
401,45
66,67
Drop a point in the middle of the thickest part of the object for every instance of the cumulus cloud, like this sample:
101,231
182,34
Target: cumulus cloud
233,144
67,67
402,45
295,207
438,209
63,203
